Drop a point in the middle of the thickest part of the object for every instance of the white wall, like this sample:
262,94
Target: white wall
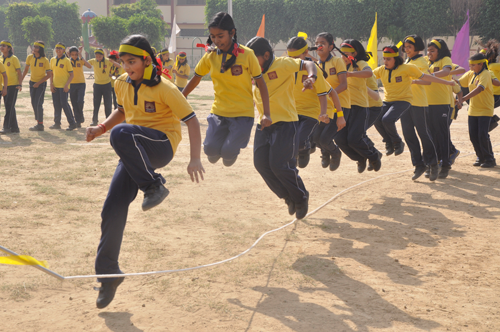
97,6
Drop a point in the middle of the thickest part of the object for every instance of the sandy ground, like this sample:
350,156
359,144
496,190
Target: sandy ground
389,255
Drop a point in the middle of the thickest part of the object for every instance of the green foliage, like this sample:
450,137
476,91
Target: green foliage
16,12
4,32
109,31
147,7
38,28
152,28
489,19
66,20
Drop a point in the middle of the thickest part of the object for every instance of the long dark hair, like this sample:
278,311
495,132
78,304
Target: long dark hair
443,51
141,42
41,50
398,59
418,44
260,46
491,48
224,21
11,51
361,54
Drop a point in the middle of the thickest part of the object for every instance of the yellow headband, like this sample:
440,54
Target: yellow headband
6,43
39,45
410,39
438,44
298,52
132,50
60,46
164,52
98,52
473,62
347,49
391,55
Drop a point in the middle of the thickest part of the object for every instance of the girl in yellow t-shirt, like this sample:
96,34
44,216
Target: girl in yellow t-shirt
231,67
14,78
481,108
167,63
353,140
181,70
491,51
78,85
153,109
115,72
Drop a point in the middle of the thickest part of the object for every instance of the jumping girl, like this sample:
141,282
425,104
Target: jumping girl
40,73
78,85
115,72
181,71
481,107
397,79
232,68
152,109
102,84
336,72
352,140
13,83
438,96
167,63
276,146
311,105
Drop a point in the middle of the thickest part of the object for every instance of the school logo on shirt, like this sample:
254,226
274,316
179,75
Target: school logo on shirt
8,64
78,65
436,69
40,65
150,106
236,70
399,79
272,75
333,71
61,66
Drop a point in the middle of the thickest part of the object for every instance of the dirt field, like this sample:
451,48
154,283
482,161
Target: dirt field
390,255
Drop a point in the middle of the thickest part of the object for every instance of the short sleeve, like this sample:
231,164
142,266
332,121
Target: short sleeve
322,86
2,68
292,65
51,64
447,62
340,66
28,59
254,66
178,104
69,67
118,91
464,80
203,66
456,89
17,64
187,71
485,80
414,71
92,62
378,72
47,65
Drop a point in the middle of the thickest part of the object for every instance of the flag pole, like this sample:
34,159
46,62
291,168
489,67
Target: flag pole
230,7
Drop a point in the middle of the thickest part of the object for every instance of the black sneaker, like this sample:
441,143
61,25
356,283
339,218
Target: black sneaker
71,127
427,173
304,158
213,159
291,206
15,131
361,166
154,195
325,159
419,170
229,162
369,167
376,164
454,156
335,161
433,172
38,127
389,149
302,207
55,126
5,131
399,148
489,164
443,173
313,148
107,292
478,162
494,122
78,125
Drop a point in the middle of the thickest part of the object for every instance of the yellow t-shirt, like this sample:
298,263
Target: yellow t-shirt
418,90
77,70
2,70
11,64
483,103
233,88
280,80
372,84
495,69
307,102
38,67
115,72
101,71
456,90
357,86
335,66
61,69
160,107
183,70
397,82
439,94
166,64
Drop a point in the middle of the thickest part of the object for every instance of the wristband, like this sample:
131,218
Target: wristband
103,127
340,114
313,76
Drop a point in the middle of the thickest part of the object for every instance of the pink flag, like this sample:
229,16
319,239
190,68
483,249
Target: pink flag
461,48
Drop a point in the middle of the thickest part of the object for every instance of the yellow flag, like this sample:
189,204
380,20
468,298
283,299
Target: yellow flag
22,260
373,45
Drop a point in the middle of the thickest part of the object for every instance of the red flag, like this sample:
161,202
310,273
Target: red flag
262,27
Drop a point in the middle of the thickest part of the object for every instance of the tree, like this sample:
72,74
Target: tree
4,32
152,28
426,18
458,14
147,7
16,12
109,31
489,26
38,28
66,20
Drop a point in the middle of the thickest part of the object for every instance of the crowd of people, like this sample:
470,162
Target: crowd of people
304,104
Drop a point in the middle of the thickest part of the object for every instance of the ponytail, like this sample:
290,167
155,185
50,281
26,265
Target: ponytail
491,50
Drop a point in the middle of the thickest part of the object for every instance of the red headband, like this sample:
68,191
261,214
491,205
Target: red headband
389,50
